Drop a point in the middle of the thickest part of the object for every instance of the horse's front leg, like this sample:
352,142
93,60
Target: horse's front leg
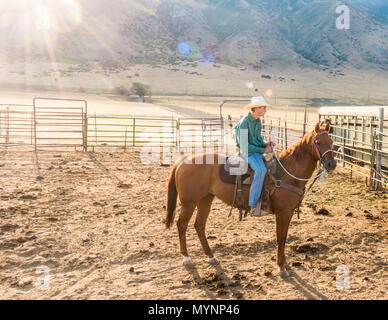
282,223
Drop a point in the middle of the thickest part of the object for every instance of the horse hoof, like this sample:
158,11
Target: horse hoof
213,260
187,260
288,267
284,273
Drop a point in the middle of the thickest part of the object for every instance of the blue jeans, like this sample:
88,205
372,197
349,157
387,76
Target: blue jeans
256,162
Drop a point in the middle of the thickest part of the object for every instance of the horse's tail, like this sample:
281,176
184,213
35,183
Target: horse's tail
172,195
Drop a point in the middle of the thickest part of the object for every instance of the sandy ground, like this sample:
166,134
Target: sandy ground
94,222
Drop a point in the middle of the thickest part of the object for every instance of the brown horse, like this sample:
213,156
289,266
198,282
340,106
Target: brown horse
198,184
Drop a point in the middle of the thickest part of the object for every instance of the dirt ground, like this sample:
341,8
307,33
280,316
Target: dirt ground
80,226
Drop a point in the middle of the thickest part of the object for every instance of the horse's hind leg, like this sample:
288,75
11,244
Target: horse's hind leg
200,225
183,220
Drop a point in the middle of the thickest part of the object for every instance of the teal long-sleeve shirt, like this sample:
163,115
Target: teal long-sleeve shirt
255,141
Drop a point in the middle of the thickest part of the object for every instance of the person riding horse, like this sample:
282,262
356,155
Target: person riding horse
252,151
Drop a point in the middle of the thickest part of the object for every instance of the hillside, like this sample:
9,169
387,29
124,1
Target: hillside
237,32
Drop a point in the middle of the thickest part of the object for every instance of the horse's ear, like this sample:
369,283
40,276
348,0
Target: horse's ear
327,128
317,127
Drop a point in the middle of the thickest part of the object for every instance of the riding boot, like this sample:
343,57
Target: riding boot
258,211
265,199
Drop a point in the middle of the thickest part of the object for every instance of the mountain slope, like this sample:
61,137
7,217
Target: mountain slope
238,32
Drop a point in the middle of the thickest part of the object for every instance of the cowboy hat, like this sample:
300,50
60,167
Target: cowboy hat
257,102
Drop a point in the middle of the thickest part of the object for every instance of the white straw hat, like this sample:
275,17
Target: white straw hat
257,102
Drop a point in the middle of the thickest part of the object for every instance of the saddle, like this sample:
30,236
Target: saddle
237,171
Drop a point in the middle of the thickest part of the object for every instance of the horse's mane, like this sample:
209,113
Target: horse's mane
298,150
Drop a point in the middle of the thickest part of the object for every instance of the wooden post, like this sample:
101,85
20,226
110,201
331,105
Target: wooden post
304,120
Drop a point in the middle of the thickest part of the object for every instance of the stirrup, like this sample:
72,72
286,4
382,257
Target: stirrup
256,213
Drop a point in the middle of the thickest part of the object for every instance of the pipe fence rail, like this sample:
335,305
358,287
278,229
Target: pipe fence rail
16,125
127,131
360,142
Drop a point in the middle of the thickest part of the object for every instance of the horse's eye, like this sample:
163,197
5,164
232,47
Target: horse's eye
317,143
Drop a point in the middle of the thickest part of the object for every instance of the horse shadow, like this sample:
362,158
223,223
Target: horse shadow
306,289
199,281
218,286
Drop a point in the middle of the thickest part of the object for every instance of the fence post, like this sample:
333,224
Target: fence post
285,128
304,120
7,126
343,148
35,124
379,148
372,160
86,132
134,132
32,126
203,124
178,137
125,141
95,126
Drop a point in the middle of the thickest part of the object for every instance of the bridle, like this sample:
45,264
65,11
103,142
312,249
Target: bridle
300,192
320,156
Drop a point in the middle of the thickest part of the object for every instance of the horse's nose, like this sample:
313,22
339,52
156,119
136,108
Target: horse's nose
331,165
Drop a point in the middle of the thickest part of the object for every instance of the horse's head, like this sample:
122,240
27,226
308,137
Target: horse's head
323,146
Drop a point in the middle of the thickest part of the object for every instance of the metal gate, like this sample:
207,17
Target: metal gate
205,133
59,123
16,125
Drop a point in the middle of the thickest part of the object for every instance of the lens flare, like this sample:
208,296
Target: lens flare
188,49
184,48
249,84
206,59
72,11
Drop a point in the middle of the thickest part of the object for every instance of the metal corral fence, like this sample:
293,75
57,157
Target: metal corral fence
359,134
59,122
46,123
16,124
361,140
127,131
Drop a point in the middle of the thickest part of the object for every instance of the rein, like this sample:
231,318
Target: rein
280,184
292,176
320,156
